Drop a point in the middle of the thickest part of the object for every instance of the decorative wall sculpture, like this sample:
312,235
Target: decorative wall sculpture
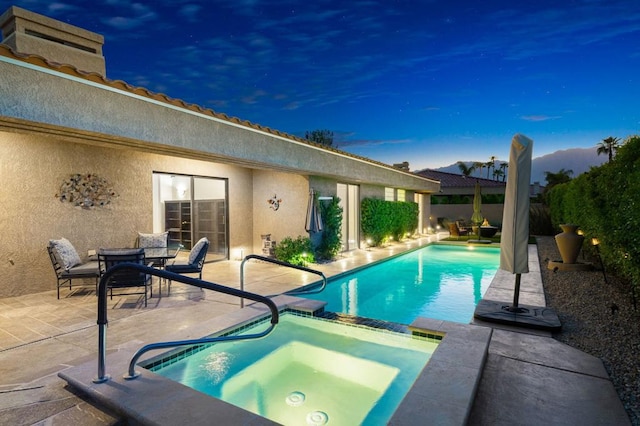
274,202
86,191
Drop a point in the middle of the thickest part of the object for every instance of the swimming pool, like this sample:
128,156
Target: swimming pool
438,281
309,371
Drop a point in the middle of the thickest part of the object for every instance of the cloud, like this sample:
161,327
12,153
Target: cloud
372,142
138,15
540,117
190,12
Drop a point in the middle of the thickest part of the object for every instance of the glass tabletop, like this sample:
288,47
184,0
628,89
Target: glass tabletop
161,252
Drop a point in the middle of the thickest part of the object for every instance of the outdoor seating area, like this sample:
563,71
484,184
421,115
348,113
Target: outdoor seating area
150,250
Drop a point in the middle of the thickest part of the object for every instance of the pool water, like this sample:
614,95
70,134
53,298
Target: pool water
309,371
438,281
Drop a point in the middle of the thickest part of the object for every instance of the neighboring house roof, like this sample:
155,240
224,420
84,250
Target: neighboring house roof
453,180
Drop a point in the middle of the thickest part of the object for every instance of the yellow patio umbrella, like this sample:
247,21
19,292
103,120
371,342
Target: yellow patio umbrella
477,217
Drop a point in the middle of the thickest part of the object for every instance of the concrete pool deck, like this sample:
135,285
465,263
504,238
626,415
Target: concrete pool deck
527,377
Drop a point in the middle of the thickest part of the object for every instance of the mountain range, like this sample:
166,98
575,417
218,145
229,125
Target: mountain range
579,160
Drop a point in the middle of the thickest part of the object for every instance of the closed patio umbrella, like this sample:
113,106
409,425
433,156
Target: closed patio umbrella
476,217
314,221
514,243
514,246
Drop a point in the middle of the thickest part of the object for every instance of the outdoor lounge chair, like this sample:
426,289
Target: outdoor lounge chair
456,231
125,279
68,266
195,262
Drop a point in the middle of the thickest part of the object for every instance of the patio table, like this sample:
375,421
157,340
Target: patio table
160,255
157,255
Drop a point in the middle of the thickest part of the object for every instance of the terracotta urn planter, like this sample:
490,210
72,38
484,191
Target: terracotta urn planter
569,243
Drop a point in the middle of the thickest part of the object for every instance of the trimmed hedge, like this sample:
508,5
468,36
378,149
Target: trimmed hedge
605,203
382,219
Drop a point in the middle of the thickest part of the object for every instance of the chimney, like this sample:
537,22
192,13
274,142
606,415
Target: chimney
30,33
402,166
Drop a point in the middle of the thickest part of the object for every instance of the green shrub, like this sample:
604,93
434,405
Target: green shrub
295,251
381,219
331,242
605,203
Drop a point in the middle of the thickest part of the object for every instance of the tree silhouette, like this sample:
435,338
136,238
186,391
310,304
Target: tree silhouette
561,176
464,169
479,165
322,137
608,146
503,169
553,179
491,164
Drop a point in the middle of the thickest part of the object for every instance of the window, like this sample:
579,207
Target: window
389,194
401,195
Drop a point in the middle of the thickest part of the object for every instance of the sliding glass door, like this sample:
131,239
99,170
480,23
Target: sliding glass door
192,207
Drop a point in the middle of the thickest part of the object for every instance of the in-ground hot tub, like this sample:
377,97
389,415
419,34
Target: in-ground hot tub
308,371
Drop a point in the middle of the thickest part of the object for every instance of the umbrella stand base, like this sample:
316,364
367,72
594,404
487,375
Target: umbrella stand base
479,241
538,317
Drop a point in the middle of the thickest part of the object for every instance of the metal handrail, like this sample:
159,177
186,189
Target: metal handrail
102,314
287,265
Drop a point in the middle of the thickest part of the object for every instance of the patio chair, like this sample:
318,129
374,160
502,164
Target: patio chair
463,228
195,262
125,279
156,240
68,266
456,231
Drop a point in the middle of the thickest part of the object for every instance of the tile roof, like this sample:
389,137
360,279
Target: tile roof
453,180
141,91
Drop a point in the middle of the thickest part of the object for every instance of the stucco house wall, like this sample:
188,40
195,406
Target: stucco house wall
289,219
32,170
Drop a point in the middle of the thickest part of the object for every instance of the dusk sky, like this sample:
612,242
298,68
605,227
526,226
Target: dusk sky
428,82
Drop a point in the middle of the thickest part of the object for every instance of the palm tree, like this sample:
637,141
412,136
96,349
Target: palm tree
553,179
479,165
608,146
497,174
491,164
503,168
464,169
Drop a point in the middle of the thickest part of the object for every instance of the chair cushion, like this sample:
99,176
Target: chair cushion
66,253
195,251
152,240
180,267
90,268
